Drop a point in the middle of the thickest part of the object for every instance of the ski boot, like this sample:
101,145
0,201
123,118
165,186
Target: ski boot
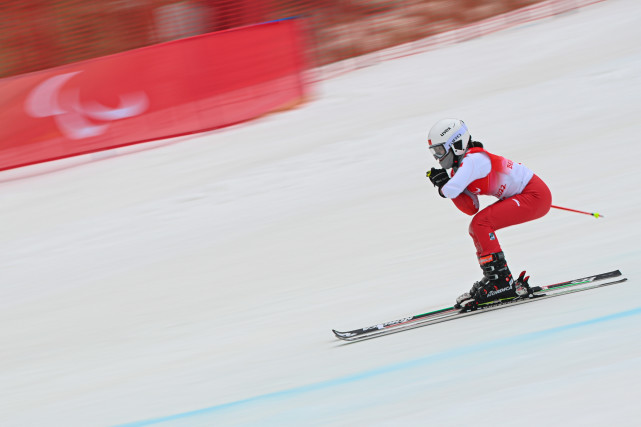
497,279
497,283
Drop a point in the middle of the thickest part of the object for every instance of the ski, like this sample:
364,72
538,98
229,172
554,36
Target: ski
451,313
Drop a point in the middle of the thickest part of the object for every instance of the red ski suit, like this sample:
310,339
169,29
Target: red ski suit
522,195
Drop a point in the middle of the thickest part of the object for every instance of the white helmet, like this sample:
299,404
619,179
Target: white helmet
448,139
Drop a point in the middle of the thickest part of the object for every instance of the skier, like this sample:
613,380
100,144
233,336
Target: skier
522,195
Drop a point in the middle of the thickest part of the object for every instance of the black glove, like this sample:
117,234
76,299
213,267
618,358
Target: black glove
439,178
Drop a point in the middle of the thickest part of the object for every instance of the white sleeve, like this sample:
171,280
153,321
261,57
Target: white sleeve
475,166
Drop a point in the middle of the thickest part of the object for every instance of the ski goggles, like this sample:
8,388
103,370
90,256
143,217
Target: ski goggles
438,150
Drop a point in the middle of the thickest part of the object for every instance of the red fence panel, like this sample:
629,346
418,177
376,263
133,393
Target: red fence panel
40,34
184,86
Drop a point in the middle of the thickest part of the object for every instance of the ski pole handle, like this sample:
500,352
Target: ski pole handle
594,214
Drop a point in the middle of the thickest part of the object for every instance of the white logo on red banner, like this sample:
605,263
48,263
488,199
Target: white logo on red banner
76,119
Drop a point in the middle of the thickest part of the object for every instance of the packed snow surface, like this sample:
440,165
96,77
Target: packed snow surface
196,281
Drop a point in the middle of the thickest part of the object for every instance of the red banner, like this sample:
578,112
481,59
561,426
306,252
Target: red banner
171,89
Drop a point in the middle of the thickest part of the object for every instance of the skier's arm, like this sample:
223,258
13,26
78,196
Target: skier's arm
467,202
475,166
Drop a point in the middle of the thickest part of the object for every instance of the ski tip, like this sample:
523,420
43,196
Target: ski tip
343,335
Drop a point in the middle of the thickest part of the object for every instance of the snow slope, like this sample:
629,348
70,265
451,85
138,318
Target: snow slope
196,282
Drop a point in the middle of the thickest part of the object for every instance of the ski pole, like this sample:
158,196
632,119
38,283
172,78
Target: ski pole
594,214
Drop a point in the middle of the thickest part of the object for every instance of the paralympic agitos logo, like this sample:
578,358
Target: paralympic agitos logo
78,119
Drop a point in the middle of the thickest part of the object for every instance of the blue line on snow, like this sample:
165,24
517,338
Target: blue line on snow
392,368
